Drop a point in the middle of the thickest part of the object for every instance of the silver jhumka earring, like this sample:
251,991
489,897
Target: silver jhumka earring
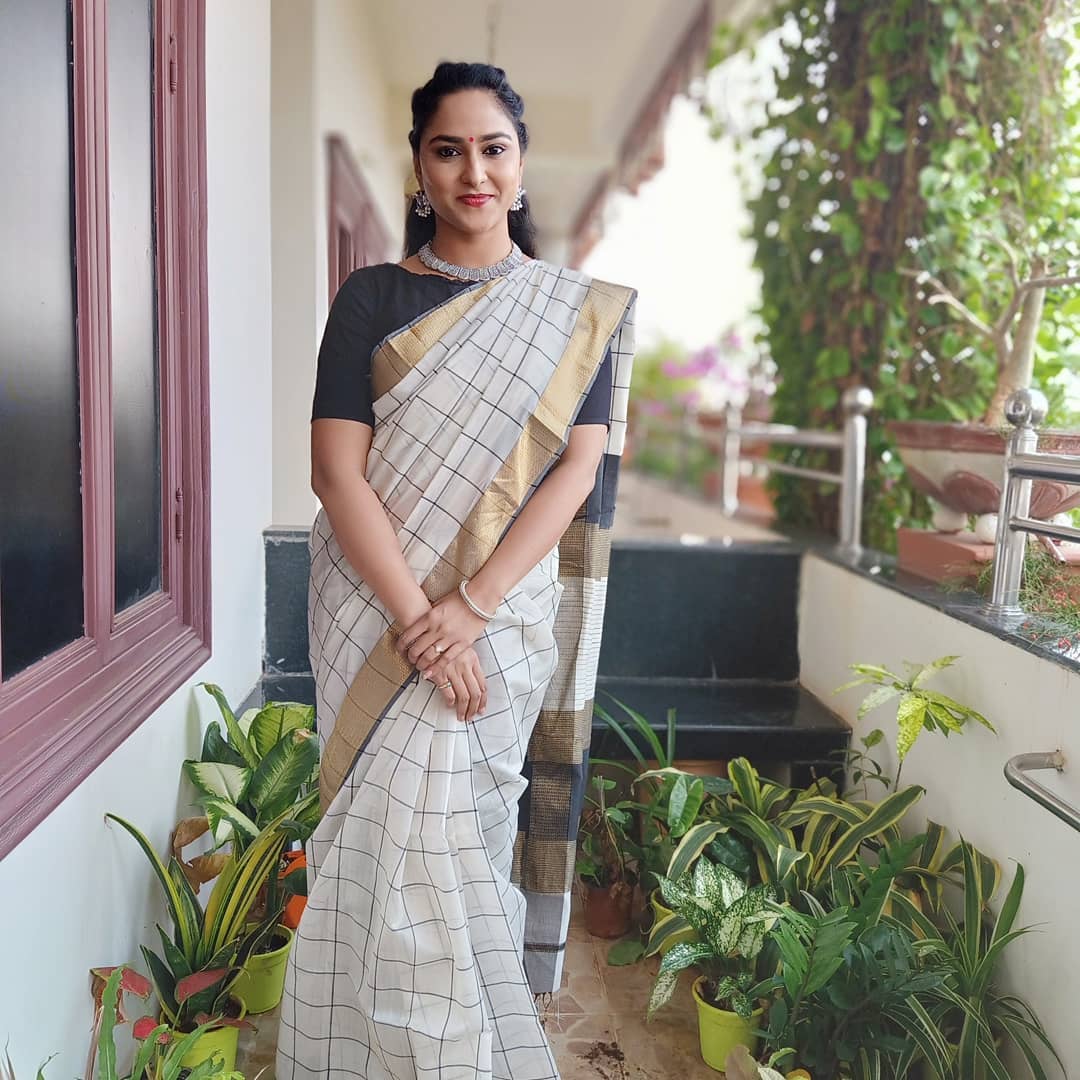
517,204
421,205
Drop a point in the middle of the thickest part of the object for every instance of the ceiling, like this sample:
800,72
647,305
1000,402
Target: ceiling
588,73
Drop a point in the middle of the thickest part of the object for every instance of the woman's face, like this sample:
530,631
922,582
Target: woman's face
470,148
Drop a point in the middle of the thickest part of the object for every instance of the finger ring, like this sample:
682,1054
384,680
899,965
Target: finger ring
439,649
445,685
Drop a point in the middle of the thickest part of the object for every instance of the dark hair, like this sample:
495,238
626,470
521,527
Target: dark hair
448,79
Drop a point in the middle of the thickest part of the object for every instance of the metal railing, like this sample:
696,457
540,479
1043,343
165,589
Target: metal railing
856,402
1016,770
1025,410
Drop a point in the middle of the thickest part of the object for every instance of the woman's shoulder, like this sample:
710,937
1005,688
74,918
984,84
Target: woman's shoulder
588,280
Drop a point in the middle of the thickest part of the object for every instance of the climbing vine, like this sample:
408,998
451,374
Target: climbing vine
918,160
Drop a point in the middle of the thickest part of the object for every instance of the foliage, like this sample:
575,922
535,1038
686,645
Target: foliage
608,854
159,1055
799,839
981,1021
1047,588
267,763
730,921
910,135
669,800
853,997
918,709
203,957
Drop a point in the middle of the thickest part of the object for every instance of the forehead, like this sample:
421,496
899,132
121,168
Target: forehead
469,112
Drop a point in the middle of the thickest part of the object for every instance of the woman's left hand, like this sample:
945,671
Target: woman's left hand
441,634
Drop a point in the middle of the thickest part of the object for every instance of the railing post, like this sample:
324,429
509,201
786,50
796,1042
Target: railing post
1025,410
857,401
729,462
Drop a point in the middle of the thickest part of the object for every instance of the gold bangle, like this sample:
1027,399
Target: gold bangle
472,607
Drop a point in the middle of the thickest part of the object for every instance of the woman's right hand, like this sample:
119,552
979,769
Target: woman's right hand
467,692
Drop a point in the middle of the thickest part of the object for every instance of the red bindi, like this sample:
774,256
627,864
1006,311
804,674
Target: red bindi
471,139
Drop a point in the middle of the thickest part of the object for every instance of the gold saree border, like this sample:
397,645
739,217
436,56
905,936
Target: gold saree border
385,672
403,350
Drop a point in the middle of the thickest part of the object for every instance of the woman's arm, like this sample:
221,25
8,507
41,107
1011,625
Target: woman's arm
545,517
535,531
339,450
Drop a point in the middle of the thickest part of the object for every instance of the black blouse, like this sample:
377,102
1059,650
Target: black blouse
371,304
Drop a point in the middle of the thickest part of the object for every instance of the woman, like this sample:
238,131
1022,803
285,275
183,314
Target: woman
469,414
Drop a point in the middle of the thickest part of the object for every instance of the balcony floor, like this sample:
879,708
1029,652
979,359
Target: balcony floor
600,1031
650,510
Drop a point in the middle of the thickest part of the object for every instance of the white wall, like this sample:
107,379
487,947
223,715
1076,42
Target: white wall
78,893
845,618
326,80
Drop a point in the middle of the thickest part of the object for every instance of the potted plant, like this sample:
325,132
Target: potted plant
163,1054
730,921
607,863
981,1021
195,973
266,765
918,709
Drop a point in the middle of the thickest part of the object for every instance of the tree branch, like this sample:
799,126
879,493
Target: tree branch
1051,282
945,296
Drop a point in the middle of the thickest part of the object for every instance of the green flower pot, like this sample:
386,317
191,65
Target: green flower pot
262,982
661,911
222,1041
721,1031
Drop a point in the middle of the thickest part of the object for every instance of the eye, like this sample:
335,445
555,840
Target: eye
445,151
500,149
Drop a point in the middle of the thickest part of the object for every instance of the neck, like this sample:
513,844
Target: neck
471,249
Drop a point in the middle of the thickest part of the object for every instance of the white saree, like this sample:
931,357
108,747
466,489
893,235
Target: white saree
440,895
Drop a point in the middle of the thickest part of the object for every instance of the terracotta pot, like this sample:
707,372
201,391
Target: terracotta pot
607,909
961,466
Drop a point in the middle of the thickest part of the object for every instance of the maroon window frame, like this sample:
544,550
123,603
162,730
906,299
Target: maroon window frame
62,716
357,234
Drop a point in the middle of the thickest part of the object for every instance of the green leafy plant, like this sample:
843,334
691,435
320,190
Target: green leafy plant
853,996
730,920
161,1047
799,839
608,855
267,763
919,709
934,135
203,957
981,1020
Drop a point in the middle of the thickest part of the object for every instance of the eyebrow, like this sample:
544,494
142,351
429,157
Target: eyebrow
454,139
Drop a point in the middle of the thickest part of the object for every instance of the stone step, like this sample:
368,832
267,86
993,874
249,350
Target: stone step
724,719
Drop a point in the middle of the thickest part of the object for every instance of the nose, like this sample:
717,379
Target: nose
473,171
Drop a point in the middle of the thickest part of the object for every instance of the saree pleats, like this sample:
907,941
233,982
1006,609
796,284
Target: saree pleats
413,956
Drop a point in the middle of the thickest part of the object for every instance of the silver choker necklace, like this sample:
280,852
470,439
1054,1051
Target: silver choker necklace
472,273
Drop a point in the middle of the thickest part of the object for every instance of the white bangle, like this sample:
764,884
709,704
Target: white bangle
471,606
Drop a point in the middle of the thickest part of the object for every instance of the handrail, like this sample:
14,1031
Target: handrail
1016,770
1025,410
856,402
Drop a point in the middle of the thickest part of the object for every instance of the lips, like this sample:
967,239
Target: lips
475,200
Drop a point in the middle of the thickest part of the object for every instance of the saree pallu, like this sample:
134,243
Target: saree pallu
443,865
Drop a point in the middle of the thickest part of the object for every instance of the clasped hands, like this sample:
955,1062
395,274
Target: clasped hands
440,646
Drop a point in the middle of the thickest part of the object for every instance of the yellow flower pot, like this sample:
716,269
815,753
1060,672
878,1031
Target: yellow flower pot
721,1031
222,1041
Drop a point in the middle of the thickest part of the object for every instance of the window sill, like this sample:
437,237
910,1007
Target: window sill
49,773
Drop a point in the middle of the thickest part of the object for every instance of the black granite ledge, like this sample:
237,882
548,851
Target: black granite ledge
1033,633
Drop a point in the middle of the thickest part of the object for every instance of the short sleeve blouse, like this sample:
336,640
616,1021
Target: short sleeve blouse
371,304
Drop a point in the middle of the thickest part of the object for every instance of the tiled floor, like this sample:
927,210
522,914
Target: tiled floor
599,1032
651,510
